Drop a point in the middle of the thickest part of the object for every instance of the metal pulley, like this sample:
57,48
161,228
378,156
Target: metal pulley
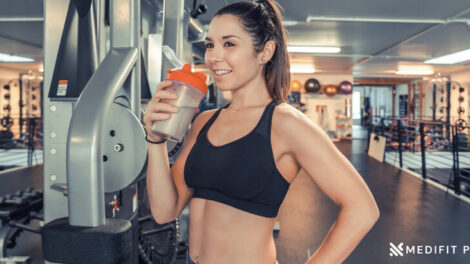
125,149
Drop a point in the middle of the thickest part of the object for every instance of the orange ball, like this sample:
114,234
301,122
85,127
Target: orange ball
295,85
330,90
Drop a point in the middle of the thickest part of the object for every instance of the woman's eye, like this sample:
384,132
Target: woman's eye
209,45
228,44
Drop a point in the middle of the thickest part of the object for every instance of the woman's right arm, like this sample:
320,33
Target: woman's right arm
166,188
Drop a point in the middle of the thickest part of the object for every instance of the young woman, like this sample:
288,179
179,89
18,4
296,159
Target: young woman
237,162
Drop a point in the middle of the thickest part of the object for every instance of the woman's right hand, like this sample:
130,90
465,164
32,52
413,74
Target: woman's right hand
158,108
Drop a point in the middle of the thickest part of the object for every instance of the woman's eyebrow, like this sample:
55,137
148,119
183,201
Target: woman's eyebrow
224,37
229,36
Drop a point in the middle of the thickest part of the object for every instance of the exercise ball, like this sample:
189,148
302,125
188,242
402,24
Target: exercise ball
312,85
330,90
295,85
345,87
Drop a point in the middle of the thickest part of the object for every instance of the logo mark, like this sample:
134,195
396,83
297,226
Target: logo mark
396,250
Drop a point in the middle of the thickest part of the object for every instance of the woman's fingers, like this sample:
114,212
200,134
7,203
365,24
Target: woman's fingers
164,84
162,94
158,108
164,107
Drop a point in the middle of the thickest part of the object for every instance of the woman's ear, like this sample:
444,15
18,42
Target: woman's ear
268,51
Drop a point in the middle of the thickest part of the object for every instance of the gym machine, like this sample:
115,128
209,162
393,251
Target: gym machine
6,135
107,60
21,122
16,212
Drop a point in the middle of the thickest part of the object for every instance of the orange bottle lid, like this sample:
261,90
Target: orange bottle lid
195,79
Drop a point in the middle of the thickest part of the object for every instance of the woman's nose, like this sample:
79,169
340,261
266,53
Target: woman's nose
214,55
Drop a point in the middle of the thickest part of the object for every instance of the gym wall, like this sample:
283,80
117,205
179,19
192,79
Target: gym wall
335,105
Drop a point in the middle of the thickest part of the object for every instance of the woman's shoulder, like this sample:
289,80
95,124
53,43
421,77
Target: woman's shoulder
287,115
289,123
204,116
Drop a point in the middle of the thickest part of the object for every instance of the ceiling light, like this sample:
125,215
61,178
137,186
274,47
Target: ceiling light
312,49
415,72
41,69
12,58
452,58
302,69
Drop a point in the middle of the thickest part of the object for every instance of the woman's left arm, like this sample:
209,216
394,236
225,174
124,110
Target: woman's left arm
337,178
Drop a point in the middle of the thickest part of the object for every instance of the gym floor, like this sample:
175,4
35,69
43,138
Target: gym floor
412,211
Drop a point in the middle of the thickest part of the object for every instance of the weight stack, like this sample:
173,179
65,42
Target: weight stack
109,243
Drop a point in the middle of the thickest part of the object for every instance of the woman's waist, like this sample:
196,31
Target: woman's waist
242,251
219,222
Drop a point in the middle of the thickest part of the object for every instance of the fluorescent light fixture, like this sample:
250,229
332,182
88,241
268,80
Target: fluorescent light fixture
312,49
414,72
11,58
452,58
41,69
302,69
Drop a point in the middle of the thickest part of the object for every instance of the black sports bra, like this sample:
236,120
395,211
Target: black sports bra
242,173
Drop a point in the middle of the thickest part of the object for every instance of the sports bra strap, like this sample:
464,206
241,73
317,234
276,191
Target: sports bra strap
264,126
210,121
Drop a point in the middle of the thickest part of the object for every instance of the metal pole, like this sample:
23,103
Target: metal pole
84,160
423,150
125,33
434,102
448,111
389,20
382,124
456,162
399,143
21,19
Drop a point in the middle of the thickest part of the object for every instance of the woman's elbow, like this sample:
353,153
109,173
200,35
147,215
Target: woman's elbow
367,211
159,219
373,212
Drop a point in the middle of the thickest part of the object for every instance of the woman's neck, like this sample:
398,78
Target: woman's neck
252,95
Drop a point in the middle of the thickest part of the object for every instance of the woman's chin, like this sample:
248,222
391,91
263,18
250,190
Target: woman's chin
223,87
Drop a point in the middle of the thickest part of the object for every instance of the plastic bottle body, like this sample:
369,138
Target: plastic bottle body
188,100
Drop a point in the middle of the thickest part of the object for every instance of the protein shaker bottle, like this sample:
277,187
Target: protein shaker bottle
190,88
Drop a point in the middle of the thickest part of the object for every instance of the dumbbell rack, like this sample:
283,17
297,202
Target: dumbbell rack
16,211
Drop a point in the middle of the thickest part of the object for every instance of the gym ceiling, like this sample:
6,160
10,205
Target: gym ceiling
376,37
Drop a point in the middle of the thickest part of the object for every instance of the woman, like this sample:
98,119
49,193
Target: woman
237,162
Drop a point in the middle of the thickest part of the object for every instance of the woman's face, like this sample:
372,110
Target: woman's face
230,55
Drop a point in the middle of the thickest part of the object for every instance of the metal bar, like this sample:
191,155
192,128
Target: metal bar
423,150
434,105
384,20
100,28
399,143
85,139
408,103
196,31
125,32
456,161
21,19
156,230
24,227
421,95
369,132
145,218
394,96
448,110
